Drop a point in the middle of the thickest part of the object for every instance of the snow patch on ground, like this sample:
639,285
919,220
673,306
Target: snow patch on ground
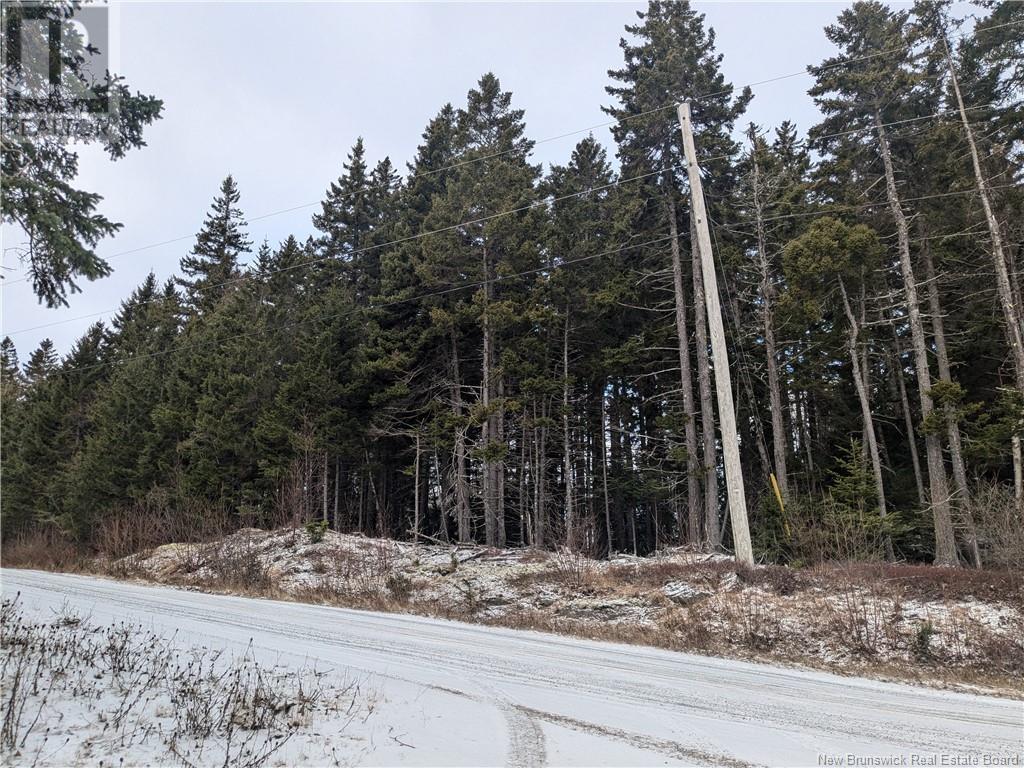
675,598
77,692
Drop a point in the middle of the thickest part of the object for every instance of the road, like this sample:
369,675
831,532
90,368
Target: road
458,694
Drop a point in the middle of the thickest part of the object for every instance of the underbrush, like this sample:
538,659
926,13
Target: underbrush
44,549
898,620
78,692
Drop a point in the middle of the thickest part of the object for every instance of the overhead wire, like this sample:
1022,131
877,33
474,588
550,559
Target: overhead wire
521,209
376,306
441,230
545,201
501,153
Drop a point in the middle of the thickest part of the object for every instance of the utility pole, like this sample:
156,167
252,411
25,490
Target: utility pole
720,357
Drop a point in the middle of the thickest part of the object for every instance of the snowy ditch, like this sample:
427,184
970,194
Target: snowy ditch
75,692
962,628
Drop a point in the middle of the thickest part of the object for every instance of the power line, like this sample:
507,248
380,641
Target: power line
859,206
463,286
399,241
738,352
381,305
941,113
462,163
538,203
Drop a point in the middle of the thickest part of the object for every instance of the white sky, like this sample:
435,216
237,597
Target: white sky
276,94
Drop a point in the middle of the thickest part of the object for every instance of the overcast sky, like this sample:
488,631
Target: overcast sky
276,94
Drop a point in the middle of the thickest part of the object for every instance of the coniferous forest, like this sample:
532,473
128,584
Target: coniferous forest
472,347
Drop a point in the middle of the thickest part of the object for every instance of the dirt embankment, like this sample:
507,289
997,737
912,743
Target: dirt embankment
938,626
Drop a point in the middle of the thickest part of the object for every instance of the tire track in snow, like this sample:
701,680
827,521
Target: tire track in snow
478,663
526,744
641,741
678,706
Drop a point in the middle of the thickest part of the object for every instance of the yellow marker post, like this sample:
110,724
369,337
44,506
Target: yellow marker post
778,497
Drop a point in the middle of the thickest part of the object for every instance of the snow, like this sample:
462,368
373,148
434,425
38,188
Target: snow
438,692
680,598
683,593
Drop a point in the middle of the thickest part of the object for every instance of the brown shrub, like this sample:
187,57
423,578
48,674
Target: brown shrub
928,582
1002,652
780,579
1000,525
46,549
161,519
761,628
857,617
688,628
399,586
236,564
573,570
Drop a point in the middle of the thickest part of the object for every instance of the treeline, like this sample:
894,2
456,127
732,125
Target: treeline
480,350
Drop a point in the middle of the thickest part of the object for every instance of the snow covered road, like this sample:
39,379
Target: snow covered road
458,694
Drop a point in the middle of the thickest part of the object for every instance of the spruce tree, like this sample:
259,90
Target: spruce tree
870,93
670,57
116,465
477,246
346,218
213,262
12,468
582,229
37,169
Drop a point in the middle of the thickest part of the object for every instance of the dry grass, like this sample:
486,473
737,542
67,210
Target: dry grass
195,707
44,549
929,582
881,619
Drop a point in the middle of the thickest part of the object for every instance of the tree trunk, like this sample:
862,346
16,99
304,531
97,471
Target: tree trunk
1018,472
416,494
326,484
908,420
1011,316
693,501
525,520
945,544
956,454
805,434
768,329
337,492
499,464
604,478
571,539
712,530
490,431
462,511
542,466
861,383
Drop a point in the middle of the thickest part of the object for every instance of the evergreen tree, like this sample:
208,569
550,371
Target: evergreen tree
116,466
37,168
583,228
12,391
670,58
214,260
857,92
347,217
41,363
476,246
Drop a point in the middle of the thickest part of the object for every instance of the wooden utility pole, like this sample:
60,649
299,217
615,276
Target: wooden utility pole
720,357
